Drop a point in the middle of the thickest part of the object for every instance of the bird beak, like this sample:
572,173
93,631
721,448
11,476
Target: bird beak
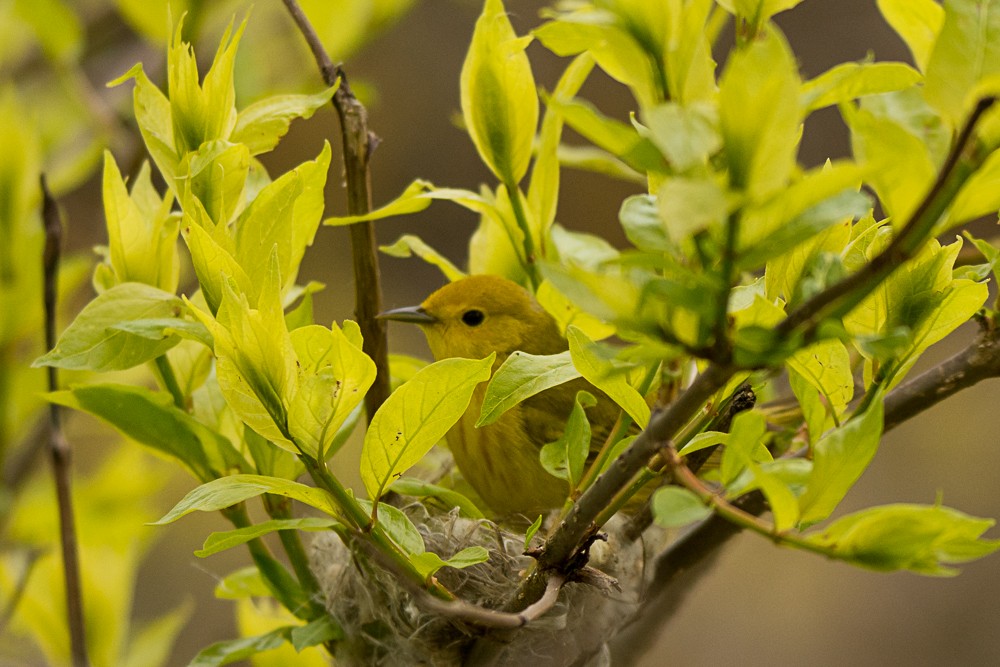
413,314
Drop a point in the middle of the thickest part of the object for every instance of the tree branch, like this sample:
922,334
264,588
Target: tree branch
58,445
979,361
358,143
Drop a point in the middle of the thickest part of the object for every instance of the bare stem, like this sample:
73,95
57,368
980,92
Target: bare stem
58,445
358,143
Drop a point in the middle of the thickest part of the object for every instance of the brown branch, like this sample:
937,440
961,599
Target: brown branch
571,536
358,143
58,445
980,361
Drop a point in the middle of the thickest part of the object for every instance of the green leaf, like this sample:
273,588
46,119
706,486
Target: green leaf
162,328
641,222
155,120
416,416
228,491
220,541
333,375
611,378
319,631
703,441
917,22
839,458
284,215
142,234
413,200
621,140
690,205
757,11
898,165
521,376
980,195
674,507
246,582
151,419
566,312
965,54
532,531
566,457
849,81
745,443
781,499
92,343
411,486
827,367
686,135
543,191
398,526
216,175
56,26
263,123
759,115
408,245
428,563
499,102
255,359
227,652
919,538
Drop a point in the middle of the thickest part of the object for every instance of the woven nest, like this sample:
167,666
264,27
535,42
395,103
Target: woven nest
384,625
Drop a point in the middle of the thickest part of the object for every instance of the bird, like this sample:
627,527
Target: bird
473,317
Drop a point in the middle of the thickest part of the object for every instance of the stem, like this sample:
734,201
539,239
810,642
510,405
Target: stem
720,346
169,379
840,298
529,242
282,585
58,445
278,507
362,523
358,143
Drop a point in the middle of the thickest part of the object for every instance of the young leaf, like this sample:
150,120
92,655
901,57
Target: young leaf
686,135
260,125
827,367
428,563
92,343
413,200
917,22
416,416
621,140
521,376
408,245
216,176
602,372
333,375
213,262
919,538
220,541
849,81
227,491
965,54
759,115
745,443
155,120
839,458
566,457
674,507
319,631
499,102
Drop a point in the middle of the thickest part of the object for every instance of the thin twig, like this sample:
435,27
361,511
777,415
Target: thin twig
7,613
58,445
358,143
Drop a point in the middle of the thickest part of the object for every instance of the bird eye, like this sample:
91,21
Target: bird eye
473,317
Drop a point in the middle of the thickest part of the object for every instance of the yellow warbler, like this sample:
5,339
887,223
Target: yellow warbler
471,318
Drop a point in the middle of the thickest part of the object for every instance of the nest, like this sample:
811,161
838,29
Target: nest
384,625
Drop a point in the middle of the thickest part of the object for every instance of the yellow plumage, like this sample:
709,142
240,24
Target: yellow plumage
471,318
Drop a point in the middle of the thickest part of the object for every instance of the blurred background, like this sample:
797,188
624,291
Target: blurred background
757,604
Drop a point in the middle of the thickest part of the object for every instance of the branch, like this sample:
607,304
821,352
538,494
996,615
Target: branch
358,143
980,361
840,298
59,447
572,534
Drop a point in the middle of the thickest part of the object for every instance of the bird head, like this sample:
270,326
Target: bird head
475,316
